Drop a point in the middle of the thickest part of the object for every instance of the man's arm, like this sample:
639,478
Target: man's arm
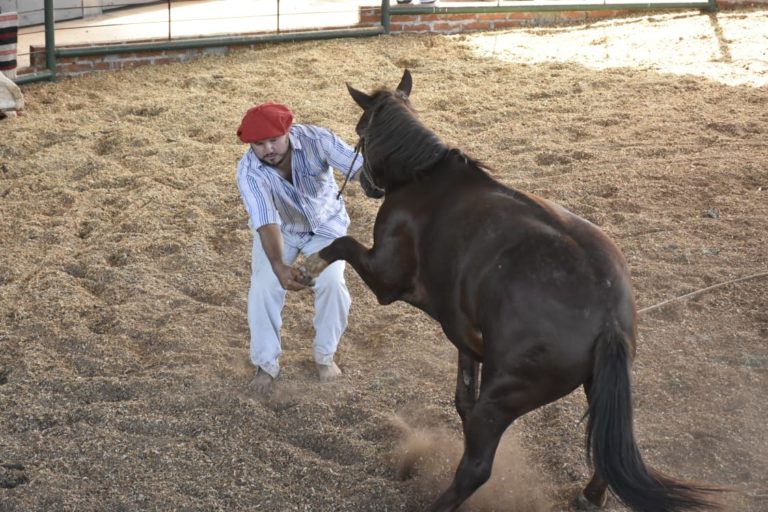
341,156
272,242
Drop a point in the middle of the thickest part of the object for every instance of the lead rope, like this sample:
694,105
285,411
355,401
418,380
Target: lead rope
703,290
349,172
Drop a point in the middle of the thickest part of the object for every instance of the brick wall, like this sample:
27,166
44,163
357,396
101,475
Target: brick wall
446,23
739,4
75,66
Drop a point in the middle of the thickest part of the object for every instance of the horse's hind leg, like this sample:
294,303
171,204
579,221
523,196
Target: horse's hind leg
466,386
594,495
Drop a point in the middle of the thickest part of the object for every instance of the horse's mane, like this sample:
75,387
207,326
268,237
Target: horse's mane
395,133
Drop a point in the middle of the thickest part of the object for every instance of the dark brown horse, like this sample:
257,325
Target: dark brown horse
537,301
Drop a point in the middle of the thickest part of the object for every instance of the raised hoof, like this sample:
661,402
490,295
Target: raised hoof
582,503
305,279
312,266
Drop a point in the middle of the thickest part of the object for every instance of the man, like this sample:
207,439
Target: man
287,186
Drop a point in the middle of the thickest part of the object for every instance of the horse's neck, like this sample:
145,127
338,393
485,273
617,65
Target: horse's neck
460,157
463,164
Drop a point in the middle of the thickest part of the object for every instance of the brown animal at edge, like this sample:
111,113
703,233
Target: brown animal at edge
537,300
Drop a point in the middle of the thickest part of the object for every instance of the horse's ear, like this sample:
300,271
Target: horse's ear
405,83
360,97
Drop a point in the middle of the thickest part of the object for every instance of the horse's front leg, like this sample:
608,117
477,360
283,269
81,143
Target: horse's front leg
344,248
483,427
373,267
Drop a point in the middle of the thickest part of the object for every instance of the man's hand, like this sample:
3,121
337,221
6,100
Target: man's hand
290,278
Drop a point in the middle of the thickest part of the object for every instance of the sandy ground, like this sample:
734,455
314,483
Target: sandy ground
730,47
125,265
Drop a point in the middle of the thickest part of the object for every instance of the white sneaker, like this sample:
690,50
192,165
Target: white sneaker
262,381
328,372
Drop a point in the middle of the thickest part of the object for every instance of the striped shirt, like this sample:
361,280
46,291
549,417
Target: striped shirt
307,206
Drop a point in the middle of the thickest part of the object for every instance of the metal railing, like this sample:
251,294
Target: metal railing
254,29
171,42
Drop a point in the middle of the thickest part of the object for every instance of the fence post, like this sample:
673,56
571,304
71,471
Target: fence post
169,20
50,39
385,15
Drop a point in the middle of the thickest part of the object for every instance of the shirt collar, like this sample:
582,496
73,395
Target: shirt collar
295,141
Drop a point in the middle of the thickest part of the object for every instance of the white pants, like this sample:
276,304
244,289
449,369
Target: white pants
266,299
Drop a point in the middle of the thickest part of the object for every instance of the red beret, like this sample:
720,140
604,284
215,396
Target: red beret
265,121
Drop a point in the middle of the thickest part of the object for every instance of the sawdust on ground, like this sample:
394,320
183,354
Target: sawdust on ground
125,265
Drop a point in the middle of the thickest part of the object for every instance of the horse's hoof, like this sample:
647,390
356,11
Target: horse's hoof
305,279
313,265
582,503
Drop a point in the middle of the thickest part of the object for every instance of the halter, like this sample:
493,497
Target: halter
358,147
366,171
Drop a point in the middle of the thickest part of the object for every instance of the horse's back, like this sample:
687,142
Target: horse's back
520,262
498,227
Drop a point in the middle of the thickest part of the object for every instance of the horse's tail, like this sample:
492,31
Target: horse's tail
611,444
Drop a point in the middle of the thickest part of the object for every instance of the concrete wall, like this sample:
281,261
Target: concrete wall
7,5
31,11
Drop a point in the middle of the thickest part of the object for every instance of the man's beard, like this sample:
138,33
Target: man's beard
279,162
